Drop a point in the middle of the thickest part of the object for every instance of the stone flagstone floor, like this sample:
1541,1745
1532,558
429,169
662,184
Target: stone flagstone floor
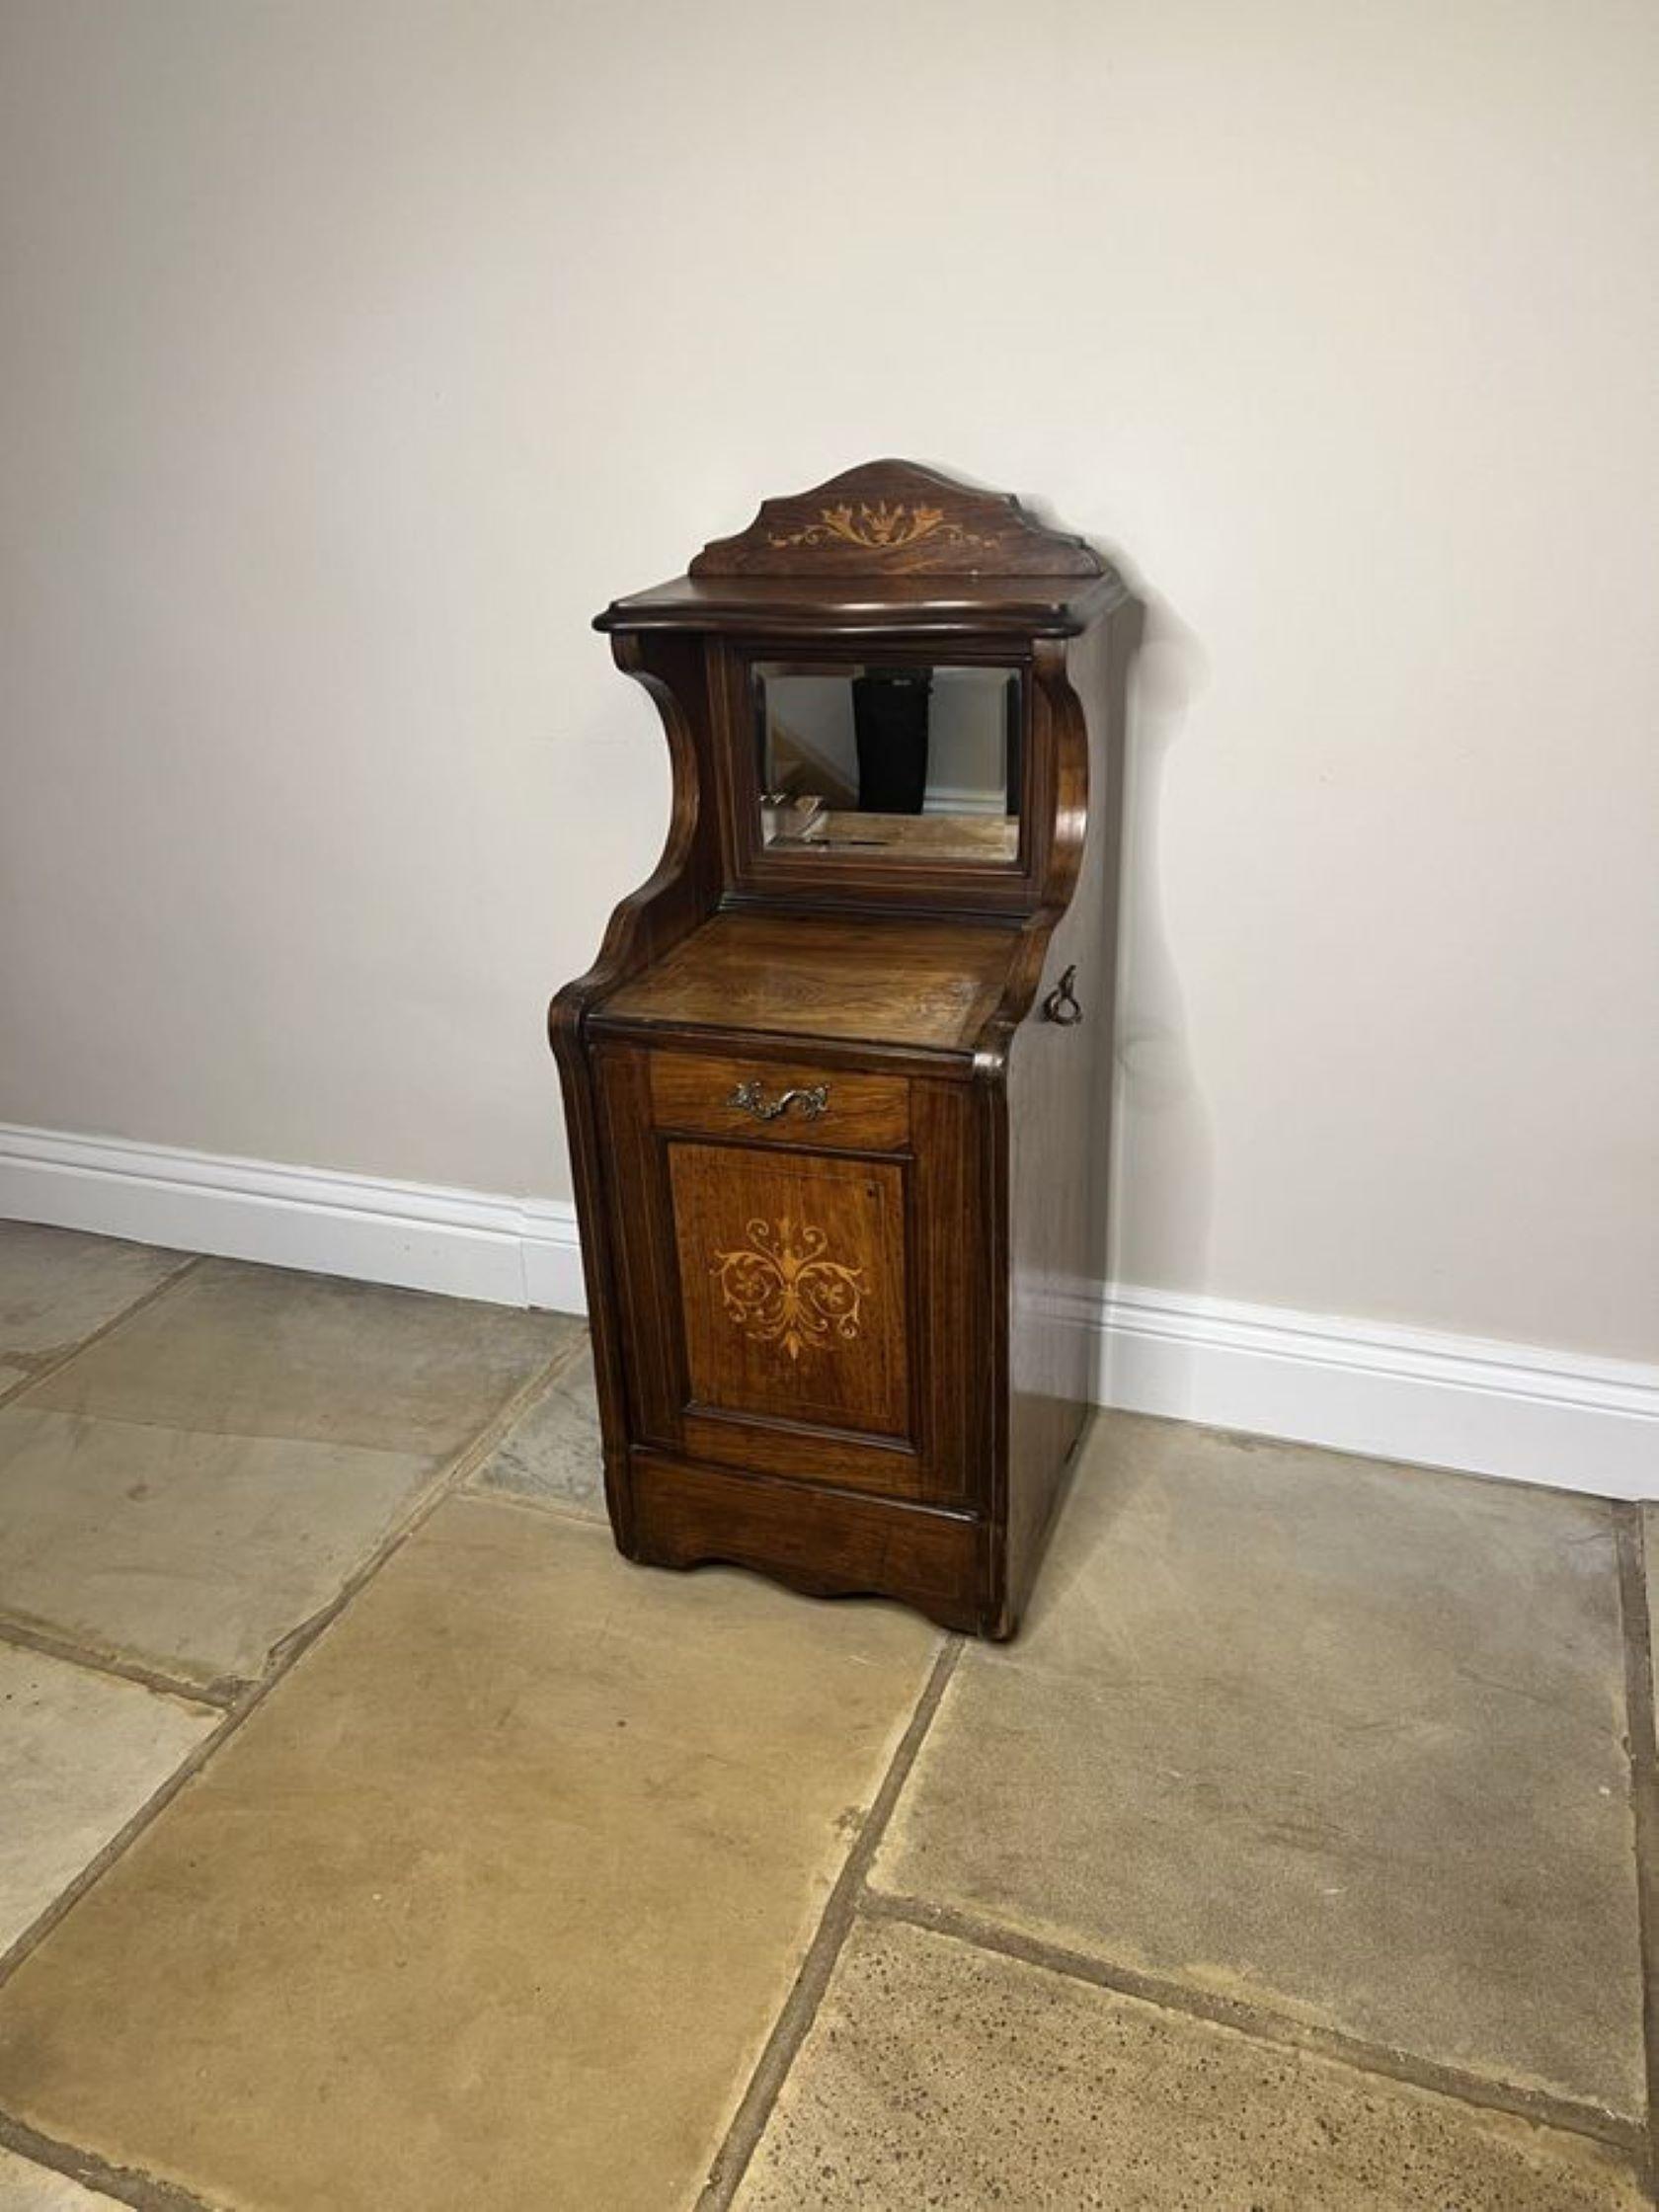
372,1838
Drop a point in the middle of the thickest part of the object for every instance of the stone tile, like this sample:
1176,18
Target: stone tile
79,1754
494,1898
939,2075
27,2187
258,1351
57,1286
553,1453
1338,1738
194,1553
1650,1558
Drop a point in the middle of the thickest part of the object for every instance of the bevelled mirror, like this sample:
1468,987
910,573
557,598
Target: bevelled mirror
905,762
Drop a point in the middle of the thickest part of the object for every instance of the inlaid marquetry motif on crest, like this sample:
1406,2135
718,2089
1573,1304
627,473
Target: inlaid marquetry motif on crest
881,529
895,519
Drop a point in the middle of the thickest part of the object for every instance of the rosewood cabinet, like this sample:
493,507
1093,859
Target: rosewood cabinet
838,1086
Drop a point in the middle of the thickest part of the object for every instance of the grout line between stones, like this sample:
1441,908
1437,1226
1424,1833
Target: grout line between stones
284,1656
850,1895
144,1298
127,2184
1643,1750
800,2008
539,1509
31,1635
1261,2024
445,1485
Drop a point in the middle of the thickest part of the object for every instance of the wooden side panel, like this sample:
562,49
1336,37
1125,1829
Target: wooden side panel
791,1276
648,1330
1059,1121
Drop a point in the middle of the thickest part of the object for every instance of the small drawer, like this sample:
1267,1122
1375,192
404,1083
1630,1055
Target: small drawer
780,1102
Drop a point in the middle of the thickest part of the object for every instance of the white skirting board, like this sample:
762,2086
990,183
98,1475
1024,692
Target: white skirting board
1488,1407
466,1243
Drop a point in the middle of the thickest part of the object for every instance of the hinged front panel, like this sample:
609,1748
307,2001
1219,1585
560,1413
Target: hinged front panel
794,1296
792,1286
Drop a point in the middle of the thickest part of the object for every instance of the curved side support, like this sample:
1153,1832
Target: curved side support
684,885
1057,698
682,888
1020,991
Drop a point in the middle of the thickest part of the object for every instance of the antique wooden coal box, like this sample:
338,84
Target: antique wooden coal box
837,1084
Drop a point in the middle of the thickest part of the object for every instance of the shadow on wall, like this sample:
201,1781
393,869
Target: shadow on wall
1153,1229
1163,1135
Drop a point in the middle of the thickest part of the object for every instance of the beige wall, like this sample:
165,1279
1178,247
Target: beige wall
356,354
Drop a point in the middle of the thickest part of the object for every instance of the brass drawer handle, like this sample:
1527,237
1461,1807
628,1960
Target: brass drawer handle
748,1098
1061,1004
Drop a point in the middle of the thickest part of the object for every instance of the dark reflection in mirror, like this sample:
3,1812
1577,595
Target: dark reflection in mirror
906,761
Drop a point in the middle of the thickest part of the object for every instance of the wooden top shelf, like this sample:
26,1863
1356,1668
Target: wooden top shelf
927,985
859,607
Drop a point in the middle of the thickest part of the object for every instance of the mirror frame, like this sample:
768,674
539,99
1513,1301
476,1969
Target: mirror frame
855,877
